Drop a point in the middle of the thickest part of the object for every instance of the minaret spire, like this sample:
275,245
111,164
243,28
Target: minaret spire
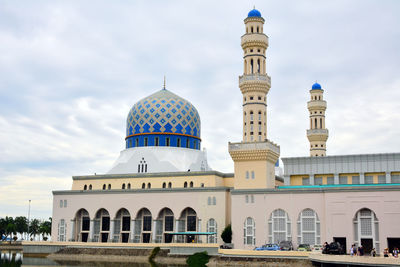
317,134
255,157
164,83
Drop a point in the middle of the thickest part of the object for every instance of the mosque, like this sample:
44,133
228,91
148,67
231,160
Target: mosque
161,189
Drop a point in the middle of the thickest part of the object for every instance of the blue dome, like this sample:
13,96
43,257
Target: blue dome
254,13
163,119
316,86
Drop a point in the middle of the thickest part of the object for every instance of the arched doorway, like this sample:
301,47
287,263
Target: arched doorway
122,226
143,226
101,226
366,230
81,226
308,228
164,226
187,223
279,227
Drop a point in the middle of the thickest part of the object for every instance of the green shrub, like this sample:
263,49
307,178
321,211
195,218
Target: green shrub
154,253
199,259
227,234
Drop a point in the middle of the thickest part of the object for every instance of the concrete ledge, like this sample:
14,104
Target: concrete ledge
347,260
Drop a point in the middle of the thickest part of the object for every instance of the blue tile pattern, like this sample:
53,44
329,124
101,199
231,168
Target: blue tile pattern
164,112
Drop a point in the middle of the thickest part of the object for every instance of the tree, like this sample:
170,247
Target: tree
227,234
21,224
45,229
34,227
3,226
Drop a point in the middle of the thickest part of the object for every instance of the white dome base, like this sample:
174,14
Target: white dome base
160,159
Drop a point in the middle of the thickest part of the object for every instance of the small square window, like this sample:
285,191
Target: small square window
251,98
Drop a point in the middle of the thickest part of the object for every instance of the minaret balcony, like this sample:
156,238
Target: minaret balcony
260,78
245,150
316,104
254,39
317,134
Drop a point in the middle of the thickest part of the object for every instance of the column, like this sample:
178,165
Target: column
362,178
200,237
286,180
176,230
336,178
72,236
312,179
111,235
153,233
388,178
91,231
132,231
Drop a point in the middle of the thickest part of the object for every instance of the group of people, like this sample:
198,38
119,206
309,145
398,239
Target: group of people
395,252
359,251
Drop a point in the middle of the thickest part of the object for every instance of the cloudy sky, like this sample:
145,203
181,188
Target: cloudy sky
71,70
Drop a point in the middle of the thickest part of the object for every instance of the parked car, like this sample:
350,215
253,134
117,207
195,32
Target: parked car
226,246
333,248
271,247
304,247
317,248
286,245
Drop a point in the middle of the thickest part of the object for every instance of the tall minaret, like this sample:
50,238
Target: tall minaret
317,134
255,157
254,83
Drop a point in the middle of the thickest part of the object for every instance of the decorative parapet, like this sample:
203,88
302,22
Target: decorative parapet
253,82
316,104
245,151
254,39
318,132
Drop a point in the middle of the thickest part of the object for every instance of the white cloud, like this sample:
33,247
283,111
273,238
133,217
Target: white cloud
70,71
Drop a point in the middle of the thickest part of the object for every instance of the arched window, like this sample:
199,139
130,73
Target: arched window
308,228
136,142
164,185
130,143
129,186
252,175
316,124
214,201
251,29
143,186
104,186
191,184
366,229
249,237
90,187
187,143
156,141
142,166
85,187
109,186
258,65
178,142
247,175
146,141
123,186
169,185
251,66
209,201
279,227
258,28
320,123
251,115
148,185
212,228
185,184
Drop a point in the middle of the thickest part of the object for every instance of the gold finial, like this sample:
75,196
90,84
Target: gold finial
164,82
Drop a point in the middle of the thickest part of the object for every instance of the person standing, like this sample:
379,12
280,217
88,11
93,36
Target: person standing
373,252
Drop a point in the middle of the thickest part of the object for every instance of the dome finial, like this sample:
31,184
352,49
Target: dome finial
164,83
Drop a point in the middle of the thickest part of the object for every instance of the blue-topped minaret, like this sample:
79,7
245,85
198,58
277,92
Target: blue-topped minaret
317,134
